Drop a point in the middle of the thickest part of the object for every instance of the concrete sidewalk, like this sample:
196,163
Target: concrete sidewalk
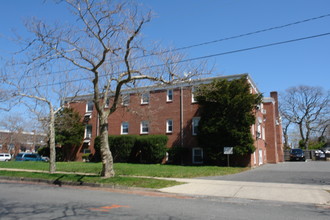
300,193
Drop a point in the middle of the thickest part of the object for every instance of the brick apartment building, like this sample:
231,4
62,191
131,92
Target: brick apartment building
14,142
172,110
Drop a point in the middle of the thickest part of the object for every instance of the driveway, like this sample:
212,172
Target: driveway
311,173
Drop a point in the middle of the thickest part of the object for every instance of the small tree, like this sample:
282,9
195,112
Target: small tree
69,130
227,113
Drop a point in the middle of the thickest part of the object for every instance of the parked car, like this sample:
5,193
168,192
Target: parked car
297,154
319,155
46,159
5,157
28,157
326,150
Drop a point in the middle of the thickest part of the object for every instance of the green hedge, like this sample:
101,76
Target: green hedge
45,152
176,155
121,147
149,149
136,149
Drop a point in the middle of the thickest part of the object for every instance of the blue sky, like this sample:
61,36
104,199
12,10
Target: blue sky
182,23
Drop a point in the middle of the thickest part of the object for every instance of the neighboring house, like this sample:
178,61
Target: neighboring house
172,110
21,141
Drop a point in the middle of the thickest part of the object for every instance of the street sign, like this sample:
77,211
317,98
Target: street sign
228,150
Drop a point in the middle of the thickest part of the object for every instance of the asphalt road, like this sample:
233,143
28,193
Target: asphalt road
310,172
35,201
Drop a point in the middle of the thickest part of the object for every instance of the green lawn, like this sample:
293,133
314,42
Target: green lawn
126,174
126,169
81,179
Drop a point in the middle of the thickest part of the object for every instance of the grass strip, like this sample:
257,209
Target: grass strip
81,179
150,170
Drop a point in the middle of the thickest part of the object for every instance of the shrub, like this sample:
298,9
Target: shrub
176,154
97,147
149,149
86,156
121,147
132,148
45,152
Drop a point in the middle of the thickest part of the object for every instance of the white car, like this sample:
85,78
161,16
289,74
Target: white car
5,157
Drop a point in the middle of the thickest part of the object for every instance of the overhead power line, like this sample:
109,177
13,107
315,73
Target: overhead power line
203,57
251,33
256,47
218,40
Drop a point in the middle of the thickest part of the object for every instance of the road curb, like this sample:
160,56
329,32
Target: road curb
68,183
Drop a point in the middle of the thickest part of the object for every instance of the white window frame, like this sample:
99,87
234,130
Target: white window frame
194,155
145,98
88,131
169,95
169,126
143,125
125,98
258,135
89,104
195,122
263,133
193,97
124,125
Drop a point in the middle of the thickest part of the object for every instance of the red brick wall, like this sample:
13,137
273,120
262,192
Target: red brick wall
278,130
273,130
271,138
156,112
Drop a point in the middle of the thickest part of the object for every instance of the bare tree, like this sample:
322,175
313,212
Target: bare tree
23,83
286,125
308,108
104,46
36,101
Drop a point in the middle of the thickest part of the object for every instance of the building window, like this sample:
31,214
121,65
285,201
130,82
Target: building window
144,127
145,98
124,128
88,132
86,151
197,154
125,99
263,133
195,122
169,96
193,97
169,126
258,131
89,106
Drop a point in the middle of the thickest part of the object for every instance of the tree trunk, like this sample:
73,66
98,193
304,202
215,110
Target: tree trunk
286,137
107,160
52,154
301,130
307,136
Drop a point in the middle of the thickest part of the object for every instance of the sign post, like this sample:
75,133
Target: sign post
228,151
